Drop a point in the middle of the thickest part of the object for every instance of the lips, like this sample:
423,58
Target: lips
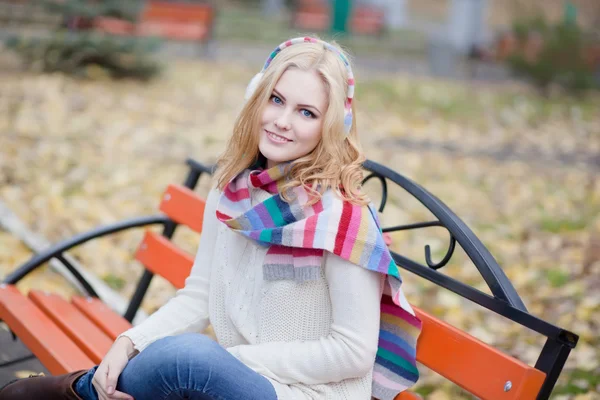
276,138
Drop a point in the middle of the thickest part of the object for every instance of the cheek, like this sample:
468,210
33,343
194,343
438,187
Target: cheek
269,114
310,132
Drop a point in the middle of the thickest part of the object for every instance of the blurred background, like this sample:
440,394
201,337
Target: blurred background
492,105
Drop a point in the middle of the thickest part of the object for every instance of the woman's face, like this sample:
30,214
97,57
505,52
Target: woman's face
292,121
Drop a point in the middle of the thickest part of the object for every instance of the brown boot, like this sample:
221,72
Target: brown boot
42,387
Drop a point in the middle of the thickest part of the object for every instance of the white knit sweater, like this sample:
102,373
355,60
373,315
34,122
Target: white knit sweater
312,340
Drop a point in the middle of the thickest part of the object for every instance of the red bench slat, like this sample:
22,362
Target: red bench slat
171,30
408,396
162,257
177,12
183,206
474,365
81,330
109,322
55,350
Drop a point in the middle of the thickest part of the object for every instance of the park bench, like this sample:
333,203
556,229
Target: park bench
66,335
174,20
315,15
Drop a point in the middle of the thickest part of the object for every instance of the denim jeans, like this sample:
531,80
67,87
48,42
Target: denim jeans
187,366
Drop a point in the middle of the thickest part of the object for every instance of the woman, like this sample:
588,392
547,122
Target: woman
290,269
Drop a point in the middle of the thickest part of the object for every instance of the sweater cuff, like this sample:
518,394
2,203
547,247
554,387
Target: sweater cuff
140,342
234,351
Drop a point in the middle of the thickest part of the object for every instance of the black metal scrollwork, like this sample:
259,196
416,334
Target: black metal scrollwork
446,258
383,189
419,225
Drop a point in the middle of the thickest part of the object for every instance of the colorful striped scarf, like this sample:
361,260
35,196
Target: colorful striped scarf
297,234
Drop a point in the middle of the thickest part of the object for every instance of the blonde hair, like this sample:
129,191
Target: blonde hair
336,162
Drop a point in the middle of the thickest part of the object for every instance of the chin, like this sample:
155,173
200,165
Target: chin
274,155
276,159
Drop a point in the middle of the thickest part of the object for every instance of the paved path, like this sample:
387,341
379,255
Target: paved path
11,350
435,63
369,66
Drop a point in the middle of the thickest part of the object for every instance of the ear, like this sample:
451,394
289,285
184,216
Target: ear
253,85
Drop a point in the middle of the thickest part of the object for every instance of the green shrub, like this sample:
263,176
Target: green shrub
76,49
128,10
552,54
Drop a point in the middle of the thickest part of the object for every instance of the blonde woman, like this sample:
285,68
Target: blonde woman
292,271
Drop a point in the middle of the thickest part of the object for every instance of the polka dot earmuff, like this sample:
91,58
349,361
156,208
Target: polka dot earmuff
350,95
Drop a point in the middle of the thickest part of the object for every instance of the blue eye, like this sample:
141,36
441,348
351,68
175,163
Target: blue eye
276,99
308,114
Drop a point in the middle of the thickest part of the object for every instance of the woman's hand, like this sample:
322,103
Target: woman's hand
106,376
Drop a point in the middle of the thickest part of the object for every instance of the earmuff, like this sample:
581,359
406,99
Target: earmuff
350,95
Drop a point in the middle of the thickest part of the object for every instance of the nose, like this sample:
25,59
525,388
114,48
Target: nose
283,122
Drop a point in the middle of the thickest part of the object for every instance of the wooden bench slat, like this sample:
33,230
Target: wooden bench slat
162,257
55,350
408,396
183,206
171,30
474,365
109,322
180,12
87,336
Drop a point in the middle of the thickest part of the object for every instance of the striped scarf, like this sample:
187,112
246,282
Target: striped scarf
297,234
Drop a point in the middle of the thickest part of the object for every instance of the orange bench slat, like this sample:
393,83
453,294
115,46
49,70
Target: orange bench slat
90,339
55,350
172,30
109,322
474,365
183,206
162,257
181,12
407,396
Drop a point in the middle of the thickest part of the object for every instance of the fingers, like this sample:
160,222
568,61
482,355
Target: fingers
107,375
101,386
120,396
99,380
112,377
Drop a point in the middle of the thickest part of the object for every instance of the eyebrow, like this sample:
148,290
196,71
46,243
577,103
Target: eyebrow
299,105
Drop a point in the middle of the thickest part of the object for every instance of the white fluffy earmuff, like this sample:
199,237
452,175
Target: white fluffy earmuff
253,85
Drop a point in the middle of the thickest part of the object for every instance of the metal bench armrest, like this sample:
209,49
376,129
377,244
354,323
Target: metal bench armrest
58,249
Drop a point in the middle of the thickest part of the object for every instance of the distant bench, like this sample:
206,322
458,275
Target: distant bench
171,20
315,15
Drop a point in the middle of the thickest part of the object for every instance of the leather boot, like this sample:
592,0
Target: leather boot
58,387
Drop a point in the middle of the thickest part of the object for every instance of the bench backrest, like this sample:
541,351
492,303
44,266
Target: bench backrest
471,364
177,12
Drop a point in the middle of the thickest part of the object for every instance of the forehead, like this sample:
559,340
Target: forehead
302,87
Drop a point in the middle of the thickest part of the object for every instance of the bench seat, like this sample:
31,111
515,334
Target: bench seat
109,322
72,340
55,350
83,332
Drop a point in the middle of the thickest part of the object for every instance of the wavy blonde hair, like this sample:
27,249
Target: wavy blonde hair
336,162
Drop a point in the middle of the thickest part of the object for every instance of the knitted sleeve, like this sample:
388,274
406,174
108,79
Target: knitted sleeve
187,311
350,348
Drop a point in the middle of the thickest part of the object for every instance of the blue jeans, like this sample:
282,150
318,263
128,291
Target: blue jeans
187,366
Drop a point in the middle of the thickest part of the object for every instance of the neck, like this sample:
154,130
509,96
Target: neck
271,164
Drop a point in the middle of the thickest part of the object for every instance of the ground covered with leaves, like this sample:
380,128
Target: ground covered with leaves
521,170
